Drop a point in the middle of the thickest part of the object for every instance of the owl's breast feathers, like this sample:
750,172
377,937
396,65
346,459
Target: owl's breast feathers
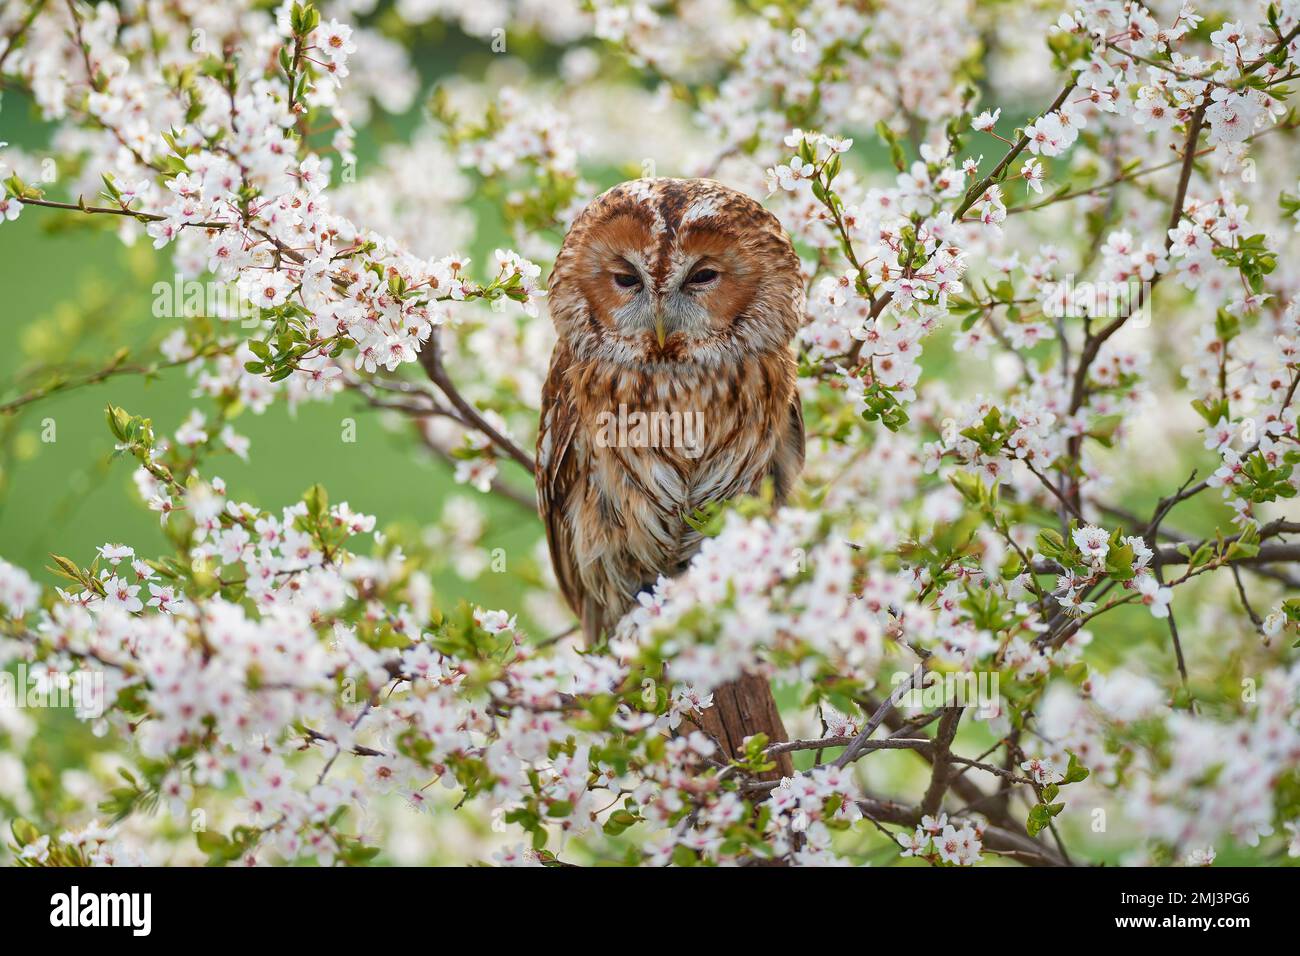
624,454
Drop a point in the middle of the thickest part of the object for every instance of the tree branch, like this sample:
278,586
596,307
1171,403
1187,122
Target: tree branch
942,758
431,362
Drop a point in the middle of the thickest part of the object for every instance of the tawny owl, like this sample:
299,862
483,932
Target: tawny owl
672,386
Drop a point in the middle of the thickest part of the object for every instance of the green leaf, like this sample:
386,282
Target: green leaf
619,821
317,500
1076,771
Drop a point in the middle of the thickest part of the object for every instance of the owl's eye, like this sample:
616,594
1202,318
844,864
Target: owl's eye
626,281
703,276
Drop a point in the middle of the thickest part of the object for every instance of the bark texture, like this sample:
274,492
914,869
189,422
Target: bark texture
741,709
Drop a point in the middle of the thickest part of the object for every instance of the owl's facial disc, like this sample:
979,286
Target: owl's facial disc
655,309
658,272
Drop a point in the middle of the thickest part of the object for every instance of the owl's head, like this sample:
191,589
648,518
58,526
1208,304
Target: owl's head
670,271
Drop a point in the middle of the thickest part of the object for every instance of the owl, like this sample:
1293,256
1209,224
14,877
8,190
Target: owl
672,386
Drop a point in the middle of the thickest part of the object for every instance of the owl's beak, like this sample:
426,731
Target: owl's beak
661,330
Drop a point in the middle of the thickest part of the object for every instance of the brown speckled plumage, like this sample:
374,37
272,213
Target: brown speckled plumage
706,329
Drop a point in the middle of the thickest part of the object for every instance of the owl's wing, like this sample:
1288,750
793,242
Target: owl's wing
557,473
787,461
